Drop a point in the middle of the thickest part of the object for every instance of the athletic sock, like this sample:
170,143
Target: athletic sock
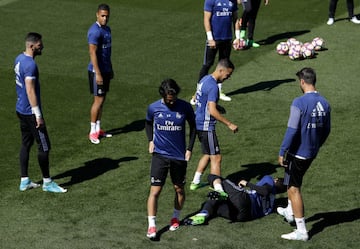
289,208
197,177
176,213
300,225
218,187
97,127
47,180
92,127
152,221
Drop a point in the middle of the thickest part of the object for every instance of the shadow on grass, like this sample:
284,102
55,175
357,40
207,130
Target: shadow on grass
282,37
137,125
91,170
255,170
261,86
331,218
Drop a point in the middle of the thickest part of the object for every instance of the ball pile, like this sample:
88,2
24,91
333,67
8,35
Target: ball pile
297,50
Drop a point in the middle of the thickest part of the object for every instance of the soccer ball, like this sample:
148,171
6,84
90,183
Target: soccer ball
318,43
282,48
295,52
240,46
291,41
307,50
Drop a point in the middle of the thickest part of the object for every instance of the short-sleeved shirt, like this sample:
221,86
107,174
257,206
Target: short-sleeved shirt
25,67
101,37
169,127
221,18
207,91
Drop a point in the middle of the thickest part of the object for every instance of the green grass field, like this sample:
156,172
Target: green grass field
108,183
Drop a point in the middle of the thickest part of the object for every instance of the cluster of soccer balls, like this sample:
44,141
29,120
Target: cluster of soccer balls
298,50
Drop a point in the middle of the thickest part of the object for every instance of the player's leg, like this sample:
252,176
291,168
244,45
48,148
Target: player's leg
225,48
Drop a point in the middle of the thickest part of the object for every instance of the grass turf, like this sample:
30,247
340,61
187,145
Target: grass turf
108,183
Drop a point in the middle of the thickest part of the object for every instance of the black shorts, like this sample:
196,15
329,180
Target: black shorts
209,142
99,90
296,170
29,133
160,167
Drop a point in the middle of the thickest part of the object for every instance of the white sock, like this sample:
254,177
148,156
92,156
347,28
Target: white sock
176,213
220,87
47,180
197,177
24,178
218,187
92,127
289,208
97,127
300,225
152,221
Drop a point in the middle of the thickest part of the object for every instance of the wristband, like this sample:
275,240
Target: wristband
36,110
237,34
209,36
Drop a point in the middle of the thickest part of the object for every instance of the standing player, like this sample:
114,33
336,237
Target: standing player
248,19
207,96
100,69
28,109
350,8
219,18
165,128
308,128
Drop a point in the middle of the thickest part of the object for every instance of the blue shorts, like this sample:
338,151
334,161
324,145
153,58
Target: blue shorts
99,90
209,142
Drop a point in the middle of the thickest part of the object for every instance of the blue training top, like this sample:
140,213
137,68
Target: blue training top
308,126
169,127
262,205
101,37
25,67
221,18
207,90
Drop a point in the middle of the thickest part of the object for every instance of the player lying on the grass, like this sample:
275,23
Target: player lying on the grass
245,201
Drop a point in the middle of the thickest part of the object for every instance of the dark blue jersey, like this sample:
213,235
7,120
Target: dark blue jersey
221,17
207,91
101,37
308,126
25,67
262,205
169,127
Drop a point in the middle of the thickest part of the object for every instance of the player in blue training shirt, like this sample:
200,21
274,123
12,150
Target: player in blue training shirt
243,202
207,114
308,128
165,128
29,112
99,69
219,19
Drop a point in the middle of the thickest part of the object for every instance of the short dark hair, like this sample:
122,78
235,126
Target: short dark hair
169,86
226,63
103,6
308,75
33,37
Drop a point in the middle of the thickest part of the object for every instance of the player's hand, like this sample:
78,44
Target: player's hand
99,79
188,155
233,127
39,122
151,147
212,43
281,161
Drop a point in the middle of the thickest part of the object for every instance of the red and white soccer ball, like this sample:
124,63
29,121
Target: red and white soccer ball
318,43
307,50
240,46
291,41
282,48
295,52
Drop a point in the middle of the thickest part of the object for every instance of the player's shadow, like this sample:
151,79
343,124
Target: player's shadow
137,125
332,218
282,36
91,170
261,86
251,171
